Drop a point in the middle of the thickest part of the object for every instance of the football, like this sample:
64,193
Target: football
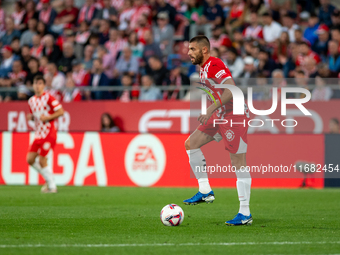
172,215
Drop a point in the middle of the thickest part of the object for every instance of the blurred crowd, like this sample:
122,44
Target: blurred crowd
141,46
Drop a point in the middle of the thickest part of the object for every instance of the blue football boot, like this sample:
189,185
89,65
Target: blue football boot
200,198
240,219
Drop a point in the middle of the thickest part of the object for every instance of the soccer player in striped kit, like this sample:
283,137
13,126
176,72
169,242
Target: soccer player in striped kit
44,109
214,71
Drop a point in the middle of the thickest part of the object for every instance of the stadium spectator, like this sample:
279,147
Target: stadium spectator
88,57
335,33
109,13
115,44
149,92
109,63
50,50
18,15
10,34
254,30
321,44
37,47
325,12
175,78
215,52
27,36
163,6
31,12
261,81
334,57
335,17
71,93
2,19
6,96
234,62
253,6
271,30
33,65
280,6
87,12
97,79
81,39
193,16
266,65
7,60
139,8
321,92
142,27
236,15
310,68
47,14
43,62
249,72
65,62
150,48
301,80
304,52
127,63
278,79
125,15
58,78
18,75
66,18
310,31
104,31
79,75
289,25
212,13
15,45
334,127
219,38
108,124
136,46
164,33
128,94
157,70
41,29
298,33
23,93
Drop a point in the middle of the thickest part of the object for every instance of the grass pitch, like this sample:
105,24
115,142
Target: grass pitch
95,220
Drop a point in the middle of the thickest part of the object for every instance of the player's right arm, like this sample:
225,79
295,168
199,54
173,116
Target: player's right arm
29,116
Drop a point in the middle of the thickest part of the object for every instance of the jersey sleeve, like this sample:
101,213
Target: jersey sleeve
53,103
219,72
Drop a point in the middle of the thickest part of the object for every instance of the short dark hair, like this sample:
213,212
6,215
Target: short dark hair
39,78
201,39
335,120
336,28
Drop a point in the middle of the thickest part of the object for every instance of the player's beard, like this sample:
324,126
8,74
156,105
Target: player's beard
198,59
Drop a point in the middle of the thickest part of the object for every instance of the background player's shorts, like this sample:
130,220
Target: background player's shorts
43,146
234,137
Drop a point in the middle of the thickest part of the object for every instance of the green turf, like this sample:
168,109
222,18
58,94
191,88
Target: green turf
93,215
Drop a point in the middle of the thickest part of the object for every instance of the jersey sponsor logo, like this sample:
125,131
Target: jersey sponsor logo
219,74
46,146
210,94
55,102
145,160
230,135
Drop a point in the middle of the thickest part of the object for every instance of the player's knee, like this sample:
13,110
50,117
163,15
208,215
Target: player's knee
236,162
30,160
187,144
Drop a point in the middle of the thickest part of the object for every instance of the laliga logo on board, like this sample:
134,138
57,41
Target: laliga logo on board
145,160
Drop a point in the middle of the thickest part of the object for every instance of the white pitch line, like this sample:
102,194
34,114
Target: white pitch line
157,244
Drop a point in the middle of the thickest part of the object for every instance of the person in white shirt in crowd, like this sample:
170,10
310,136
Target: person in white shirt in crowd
272,29
126,63
58,78
321,92
289,25
149,92
234,62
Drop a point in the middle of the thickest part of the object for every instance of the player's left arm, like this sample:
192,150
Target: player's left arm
225,98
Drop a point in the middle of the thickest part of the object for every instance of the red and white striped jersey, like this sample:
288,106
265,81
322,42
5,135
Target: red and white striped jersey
45,104
138,12
115,47
253,32
214,72
21,77
117,4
